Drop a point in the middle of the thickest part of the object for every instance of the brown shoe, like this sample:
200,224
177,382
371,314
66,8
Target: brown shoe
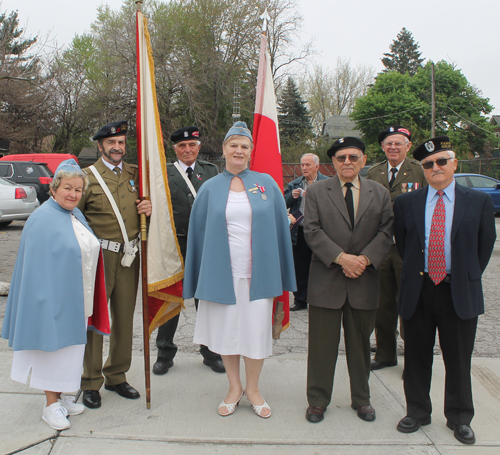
315,414
366,413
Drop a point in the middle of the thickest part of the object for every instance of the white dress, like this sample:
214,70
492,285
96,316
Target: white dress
246,327
61,370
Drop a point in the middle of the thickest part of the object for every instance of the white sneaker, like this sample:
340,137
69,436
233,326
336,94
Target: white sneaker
55,416
68,403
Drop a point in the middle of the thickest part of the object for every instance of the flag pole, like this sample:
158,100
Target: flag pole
144,232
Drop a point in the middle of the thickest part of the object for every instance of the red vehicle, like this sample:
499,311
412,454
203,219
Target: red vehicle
52,160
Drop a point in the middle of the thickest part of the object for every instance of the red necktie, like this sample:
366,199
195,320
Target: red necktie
437,260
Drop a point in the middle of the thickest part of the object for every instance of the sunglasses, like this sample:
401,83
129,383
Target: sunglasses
352,158
440,162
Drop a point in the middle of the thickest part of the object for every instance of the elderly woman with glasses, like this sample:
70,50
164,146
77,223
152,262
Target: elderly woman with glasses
239,257
57,292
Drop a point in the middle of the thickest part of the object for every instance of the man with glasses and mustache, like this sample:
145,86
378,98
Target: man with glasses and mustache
348,226
399,174
445,234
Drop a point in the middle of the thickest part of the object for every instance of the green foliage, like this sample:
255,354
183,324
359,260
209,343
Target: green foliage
404,56
405,100
12,41
293,116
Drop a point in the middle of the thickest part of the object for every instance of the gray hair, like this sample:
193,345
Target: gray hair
451,153
314,156
177,143
56,182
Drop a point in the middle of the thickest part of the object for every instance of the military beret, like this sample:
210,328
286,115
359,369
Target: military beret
112,129
239,129
394,129
346,143
434,145
188,133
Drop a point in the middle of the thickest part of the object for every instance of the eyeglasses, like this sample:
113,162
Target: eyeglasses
395,144
352,158
440,162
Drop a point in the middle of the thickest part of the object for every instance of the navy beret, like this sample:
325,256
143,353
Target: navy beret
394,129
188,133
346,143
434,145
112,129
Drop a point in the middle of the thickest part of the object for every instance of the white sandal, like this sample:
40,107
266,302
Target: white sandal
231,407
259,408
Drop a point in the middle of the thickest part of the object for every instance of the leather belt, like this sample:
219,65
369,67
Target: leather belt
446,279
116,247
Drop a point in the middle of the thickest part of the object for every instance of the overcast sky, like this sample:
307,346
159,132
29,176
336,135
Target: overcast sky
459,31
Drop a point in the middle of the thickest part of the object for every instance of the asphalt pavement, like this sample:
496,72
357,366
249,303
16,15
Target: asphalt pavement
183,416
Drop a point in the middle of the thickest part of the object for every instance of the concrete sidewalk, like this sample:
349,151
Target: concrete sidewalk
183,417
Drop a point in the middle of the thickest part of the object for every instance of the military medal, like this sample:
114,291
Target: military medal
410,187
134,189
404,188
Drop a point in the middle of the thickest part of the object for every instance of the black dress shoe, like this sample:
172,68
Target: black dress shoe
366,413
373,348
315,414
162,365
91,399
377,365
463,433
298,307
217,365
410,425
124,389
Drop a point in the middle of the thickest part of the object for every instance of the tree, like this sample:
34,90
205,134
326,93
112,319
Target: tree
404,100
404,56
293,118
334,92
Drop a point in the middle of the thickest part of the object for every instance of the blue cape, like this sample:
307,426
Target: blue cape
208,274
45,309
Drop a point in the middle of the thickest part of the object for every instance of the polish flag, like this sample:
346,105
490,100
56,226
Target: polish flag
266,154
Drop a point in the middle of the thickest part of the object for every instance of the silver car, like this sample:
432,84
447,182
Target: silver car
17,202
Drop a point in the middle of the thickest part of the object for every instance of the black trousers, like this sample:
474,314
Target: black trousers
166,332
456,337
302,255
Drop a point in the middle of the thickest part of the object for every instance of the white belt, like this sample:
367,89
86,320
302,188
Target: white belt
116,247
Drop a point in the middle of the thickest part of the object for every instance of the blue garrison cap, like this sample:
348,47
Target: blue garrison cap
239,129
69,166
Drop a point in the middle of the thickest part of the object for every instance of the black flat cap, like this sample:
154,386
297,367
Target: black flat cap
112,129
346,143
434,145
185,134
394,129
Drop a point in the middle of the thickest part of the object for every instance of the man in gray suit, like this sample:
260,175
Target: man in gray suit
348,226
186,146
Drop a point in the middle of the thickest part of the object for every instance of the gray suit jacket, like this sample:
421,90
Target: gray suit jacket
328,232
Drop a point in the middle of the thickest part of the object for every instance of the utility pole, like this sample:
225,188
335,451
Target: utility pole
433,103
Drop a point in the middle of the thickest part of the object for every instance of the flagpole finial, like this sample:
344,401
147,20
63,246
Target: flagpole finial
265,18
138,5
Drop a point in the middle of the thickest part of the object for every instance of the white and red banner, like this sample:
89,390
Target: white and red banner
266,154
164,260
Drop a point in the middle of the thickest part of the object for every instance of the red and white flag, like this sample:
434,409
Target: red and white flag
164,260
266,154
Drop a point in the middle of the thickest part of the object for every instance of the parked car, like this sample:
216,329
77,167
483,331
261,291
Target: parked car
482,183
37,175
17,202
52,160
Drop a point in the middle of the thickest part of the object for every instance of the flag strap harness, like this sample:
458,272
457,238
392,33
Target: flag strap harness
130,248
185,177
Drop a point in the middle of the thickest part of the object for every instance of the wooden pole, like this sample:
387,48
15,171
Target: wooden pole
145,308
433,104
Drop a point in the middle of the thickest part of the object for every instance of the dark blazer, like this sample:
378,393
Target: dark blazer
182,199
294,204
472,240
328,232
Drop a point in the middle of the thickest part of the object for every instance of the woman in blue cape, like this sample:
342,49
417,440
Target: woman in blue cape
239,256
57,289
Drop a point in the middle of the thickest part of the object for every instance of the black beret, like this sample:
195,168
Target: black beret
112,129
434,145
346,143
185,134
394,129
